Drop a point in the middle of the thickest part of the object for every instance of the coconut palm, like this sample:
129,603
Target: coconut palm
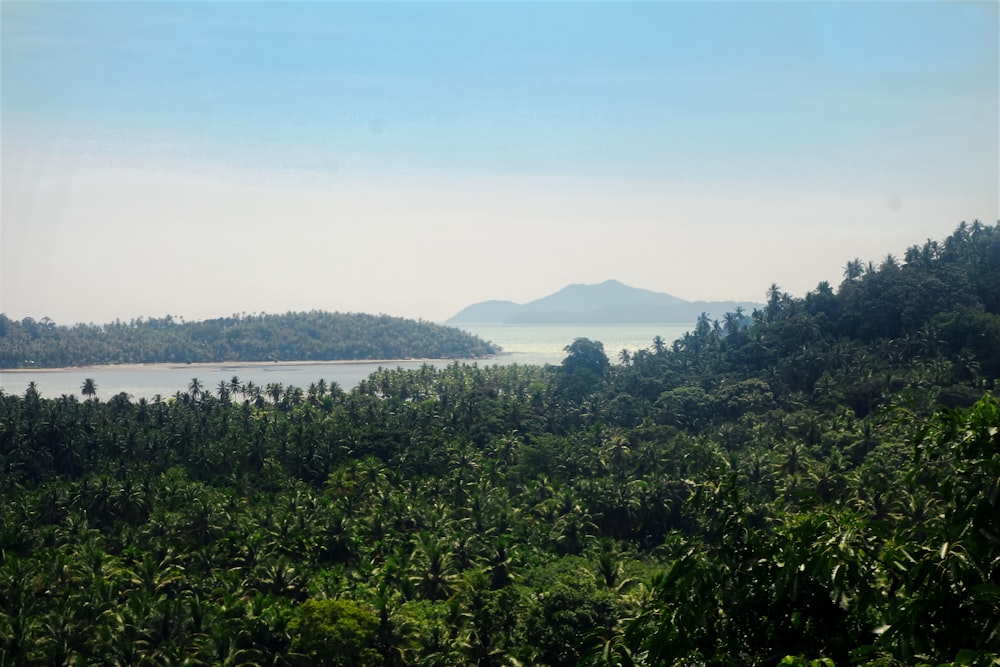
659,346
854,270
89,389
435,577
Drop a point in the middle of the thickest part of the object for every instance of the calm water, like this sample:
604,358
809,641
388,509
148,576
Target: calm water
536,344
543,344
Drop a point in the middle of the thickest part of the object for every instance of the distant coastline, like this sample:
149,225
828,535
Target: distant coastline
523,345
305,336
232,365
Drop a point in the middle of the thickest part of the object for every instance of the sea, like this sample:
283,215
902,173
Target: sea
522,344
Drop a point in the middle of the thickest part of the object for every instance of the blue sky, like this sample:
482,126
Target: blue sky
413,157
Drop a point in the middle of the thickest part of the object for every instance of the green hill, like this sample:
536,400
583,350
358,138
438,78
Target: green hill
312,336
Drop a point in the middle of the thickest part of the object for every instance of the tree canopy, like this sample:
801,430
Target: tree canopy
800,487
312,336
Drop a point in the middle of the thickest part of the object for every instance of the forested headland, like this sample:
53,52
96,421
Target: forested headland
815,484
311,336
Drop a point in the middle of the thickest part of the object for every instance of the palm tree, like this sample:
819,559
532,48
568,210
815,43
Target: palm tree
659,347
435,576
294,395
854,270
890,262
275,391
89,389
774,303
731,324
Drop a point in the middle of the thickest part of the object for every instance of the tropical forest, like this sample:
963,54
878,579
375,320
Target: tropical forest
813,483
313,336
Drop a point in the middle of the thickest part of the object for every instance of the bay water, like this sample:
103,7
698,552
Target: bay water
522,344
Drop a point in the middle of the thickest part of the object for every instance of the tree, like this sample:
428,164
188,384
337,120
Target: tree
566,619
854,270
583,368
772,310
659,345
89,388
335,633
732,322
946,597
587,354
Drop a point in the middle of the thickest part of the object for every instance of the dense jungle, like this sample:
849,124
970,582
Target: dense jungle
813,483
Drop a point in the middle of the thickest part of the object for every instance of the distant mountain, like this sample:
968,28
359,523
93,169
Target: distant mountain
610,302
487,311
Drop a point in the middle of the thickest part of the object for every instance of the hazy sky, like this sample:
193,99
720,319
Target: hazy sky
208,158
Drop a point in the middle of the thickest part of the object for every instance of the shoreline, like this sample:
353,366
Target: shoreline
235,365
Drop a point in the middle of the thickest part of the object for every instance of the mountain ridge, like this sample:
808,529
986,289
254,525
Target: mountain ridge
608,302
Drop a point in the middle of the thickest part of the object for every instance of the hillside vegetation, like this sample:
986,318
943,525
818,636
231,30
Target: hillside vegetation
312,336
818,484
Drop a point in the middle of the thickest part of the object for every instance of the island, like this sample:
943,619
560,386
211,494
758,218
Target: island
609,302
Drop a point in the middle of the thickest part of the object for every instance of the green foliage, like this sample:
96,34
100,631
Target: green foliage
688,407
585,354
334,633
312,336
569,611
973,334
785,489
799,661
751,396
583,368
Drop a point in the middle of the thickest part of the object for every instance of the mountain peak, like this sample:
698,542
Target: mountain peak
608,302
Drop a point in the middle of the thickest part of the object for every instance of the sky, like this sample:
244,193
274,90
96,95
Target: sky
207,158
